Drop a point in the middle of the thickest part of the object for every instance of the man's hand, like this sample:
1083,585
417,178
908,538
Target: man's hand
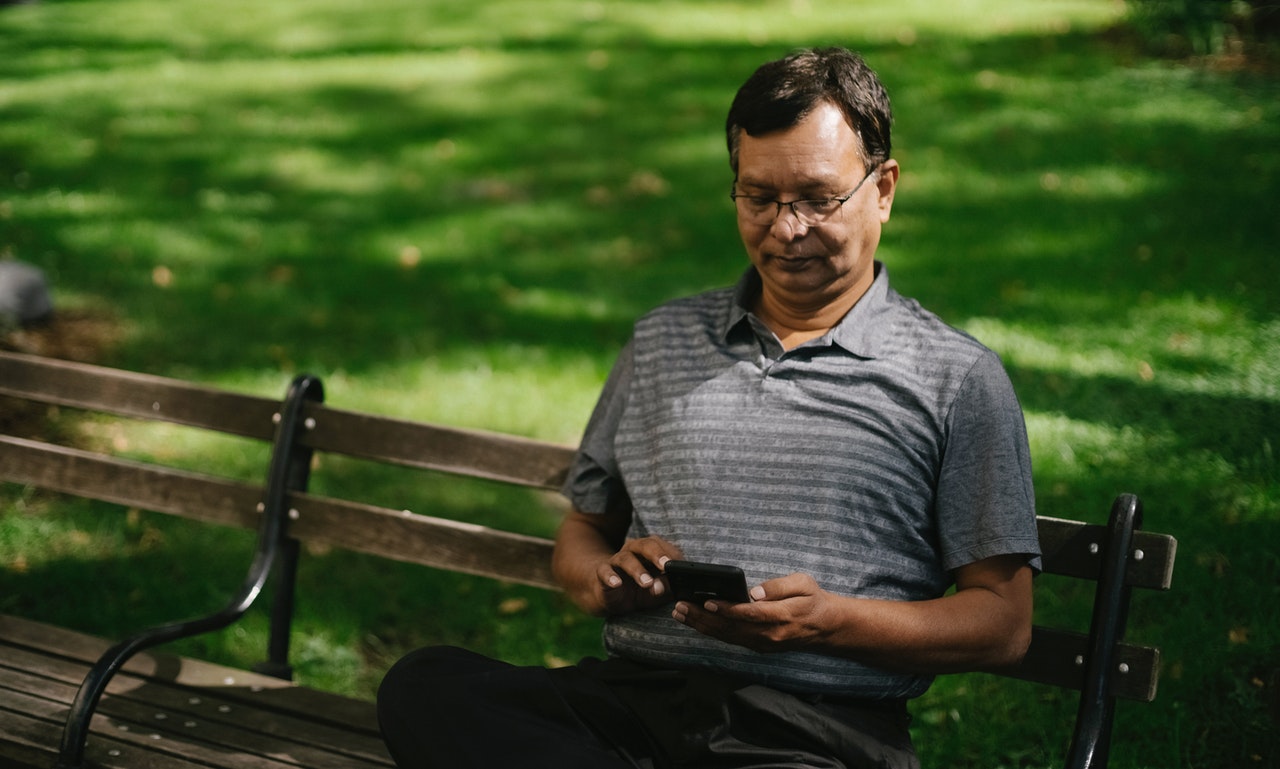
604,573
632,578
985,623
784,614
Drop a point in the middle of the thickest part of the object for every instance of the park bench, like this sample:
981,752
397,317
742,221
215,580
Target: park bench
71,700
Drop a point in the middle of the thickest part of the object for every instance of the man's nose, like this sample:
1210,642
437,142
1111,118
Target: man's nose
787,225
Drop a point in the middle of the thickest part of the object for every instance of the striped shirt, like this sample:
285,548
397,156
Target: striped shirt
877,458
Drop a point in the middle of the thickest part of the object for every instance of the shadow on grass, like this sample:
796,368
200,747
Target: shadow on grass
360,224
381,203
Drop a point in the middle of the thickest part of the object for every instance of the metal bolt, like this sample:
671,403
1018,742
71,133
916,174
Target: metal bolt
161,716
1138,555
262,507
1093,548
193,701
275,418
224,708
294,514
310,423
114,753
1079,660
1124,668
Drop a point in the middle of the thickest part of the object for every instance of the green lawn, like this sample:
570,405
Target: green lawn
453,212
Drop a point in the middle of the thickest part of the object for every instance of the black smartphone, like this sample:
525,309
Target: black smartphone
701,582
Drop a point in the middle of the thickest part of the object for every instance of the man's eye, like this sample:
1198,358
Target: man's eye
822,205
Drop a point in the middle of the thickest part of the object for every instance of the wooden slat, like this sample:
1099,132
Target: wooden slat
234,700
175,738
204,733
434,542
129,483
27,742
1052,659
1067,550
422,539
393,534
472,453
18,749
143,396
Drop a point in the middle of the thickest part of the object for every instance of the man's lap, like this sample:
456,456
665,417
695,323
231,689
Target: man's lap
606,713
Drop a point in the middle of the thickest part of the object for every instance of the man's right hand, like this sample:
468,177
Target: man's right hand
605,573
633,578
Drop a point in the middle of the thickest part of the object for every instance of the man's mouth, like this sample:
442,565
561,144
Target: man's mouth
795,261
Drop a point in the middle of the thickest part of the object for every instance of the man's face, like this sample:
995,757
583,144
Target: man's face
810,267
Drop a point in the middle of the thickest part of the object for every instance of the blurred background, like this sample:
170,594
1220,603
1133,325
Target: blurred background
453,212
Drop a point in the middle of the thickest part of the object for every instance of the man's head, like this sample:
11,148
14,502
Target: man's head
781,93
813,181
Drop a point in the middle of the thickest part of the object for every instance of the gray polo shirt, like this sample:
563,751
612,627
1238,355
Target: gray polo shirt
878,459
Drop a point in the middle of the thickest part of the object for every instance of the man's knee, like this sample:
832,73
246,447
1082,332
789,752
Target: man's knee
428,676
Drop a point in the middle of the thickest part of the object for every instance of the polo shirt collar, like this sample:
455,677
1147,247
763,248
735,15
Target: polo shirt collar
861,331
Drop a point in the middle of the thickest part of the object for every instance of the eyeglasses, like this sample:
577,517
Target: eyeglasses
757,209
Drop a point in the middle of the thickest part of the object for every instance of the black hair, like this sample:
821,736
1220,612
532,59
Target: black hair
781,93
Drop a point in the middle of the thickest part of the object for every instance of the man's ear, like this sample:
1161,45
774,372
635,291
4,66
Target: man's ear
886,187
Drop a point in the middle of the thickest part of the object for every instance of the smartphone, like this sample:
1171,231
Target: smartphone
701,582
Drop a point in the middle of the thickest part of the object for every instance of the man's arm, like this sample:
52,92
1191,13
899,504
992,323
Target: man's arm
605,573
985,623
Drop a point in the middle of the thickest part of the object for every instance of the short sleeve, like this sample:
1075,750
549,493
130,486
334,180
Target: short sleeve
985,498
594,483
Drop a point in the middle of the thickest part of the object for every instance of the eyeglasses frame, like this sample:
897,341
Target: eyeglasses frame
841,199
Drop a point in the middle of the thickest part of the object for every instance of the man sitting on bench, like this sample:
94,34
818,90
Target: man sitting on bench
851,453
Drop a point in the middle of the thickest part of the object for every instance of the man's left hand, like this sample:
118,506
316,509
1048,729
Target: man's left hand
783,614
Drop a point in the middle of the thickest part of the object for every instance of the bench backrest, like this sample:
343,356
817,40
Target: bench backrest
397,534
1118,556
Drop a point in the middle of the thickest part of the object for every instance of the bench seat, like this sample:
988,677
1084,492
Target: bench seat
163,711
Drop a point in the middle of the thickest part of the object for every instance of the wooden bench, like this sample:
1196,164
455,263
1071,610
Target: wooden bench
70,700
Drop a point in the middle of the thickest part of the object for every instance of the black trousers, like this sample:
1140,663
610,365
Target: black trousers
447,708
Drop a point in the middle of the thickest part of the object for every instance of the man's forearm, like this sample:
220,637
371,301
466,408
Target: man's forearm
986,623
580,547
971,629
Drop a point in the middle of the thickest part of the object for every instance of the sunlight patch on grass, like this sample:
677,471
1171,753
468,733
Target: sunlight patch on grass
787,20
484,389
561,304
310,169
512,388
1071,449
68,206
1179,343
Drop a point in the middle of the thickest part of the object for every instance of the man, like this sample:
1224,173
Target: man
855,456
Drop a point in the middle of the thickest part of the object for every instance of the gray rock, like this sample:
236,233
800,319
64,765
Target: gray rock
24,294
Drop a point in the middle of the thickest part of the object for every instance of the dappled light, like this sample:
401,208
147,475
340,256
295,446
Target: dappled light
454,212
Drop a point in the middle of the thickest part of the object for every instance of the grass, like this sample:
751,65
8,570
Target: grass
454,213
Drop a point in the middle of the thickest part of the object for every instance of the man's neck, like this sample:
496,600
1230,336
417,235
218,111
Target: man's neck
794,324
